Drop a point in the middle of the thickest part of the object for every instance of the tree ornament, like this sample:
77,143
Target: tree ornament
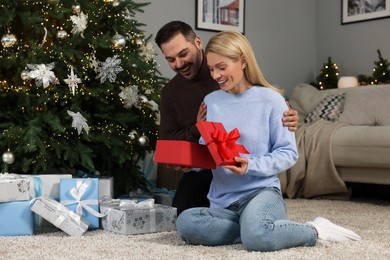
143,140
138,42
133,134
25,75
76,8
8,40
62,34
8,157
118,41
109,69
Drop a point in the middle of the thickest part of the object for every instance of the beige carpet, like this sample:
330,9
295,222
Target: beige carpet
371,220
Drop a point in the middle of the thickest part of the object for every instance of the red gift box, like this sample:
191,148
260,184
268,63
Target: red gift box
183,153
222,145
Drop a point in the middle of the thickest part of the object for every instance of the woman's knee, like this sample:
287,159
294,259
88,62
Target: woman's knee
261,240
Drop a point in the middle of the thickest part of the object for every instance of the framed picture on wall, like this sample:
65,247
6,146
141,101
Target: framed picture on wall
362,10
220,15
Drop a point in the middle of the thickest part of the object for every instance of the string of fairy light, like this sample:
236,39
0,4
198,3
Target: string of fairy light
120,45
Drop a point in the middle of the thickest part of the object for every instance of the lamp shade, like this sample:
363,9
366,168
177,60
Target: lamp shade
347,82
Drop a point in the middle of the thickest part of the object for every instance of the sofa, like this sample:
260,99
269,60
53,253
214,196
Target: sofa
359,147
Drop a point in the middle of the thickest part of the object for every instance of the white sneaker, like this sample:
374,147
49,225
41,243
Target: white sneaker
328,231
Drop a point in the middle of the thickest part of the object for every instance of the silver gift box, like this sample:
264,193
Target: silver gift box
14,187
60,216
131,221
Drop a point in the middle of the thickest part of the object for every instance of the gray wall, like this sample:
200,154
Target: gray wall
352,46
291,39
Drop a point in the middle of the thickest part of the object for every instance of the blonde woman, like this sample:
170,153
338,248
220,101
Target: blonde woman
246,205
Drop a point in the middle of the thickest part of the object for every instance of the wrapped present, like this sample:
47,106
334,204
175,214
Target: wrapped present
46,185
16,218
183,153
222,145
164,198
106,187
81,196
106,184
14,187
130,218
60,216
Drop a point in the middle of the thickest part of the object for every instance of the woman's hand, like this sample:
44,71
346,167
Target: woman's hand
290,119
201,113
240,167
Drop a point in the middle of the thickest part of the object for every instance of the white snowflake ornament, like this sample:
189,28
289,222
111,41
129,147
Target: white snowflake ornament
147,51
109,69
42,74
79,23
72,81
79,122
129,96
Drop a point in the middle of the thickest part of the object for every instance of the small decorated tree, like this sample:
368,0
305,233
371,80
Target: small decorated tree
328,77
381,72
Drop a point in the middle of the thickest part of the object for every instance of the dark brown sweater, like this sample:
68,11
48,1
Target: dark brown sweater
180,101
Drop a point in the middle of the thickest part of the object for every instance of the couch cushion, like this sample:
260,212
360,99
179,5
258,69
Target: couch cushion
304,98
328,109
361,146
369,105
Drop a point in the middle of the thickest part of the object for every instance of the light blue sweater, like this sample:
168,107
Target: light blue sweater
257,113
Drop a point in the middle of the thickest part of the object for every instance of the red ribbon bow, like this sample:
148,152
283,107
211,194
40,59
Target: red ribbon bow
226,144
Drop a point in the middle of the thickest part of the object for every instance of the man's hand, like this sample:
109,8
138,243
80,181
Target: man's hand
201,113
290,119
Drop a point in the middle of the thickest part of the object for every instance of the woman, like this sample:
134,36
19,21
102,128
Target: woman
246,205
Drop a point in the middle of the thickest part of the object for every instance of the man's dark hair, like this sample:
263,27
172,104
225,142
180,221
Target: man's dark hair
171,29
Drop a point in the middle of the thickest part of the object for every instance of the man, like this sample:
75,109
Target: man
181,100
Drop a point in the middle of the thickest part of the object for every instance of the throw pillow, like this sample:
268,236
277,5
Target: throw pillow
328,109
368,105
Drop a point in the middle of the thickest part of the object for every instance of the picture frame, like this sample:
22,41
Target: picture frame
363,10
220,15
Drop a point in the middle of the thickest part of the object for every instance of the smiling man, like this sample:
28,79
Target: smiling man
181,98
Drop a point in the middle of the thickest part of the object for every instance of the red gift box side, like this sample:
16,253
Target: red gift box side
183,153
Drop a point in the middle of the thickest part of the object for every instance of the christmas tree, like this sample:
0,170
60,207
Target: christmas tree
78,88
381,73
328,77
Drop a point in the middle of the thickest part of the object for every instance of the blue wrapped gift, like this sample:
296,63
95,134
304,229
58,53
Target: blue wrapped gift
16,218
81,195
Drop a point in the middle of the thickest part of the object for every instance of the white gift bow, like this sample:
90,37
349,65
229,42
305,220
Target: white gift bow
77,193
129,204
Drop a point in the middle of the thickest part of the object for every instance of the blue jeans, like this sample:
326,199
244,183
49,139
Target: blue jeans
258,221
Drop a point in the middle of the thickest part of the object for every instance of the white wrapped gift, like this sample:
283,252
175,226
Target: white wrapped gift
46,185
14,187
59,216
130,218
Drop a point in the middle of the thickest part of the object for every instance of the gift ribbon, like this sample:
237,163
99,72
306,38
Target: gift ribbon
77,193
226,143
62,212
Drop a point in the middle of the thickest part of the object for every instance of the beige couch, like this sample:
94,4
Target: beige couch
361,148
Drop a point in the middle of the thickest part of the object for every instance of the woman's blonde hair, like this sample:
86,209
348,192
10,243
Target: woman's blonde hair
233,45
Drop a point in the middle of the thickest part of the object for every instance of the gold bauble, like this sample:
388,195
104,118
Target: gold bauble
8,40
118,41
62,34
